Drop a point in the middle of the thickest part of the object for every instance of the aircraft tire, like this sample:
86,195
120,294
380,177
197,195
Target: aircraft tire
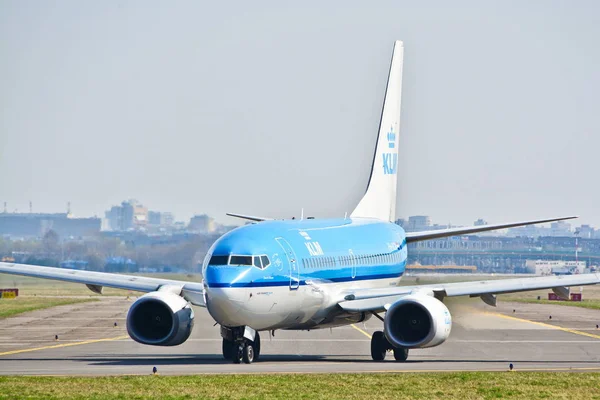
237,354
256,346
227,348
379,346
248,353
401,354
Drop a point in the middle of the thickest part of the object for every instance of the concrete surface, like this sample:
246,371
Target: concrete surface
483,338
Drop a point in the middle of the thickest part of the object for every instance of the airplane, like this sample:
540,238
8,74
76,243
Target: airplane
305,274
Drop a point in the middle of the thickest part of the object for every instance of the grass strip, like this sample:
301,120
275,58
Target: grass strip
19,305
463,385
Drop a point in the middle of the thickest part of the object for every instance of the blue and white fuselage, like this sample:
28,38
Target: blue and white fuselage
291,274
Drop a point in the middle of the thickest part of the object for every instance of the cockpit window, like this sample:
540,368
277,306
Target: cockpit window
261,261
240,260
265,261
219,260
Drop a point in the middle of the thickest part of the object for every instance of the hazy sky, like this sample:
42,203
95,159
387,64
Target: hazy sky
264,108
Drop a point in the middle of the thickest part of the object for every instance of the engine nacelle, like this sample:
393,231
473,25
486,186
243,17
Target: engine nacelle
160,319
417,321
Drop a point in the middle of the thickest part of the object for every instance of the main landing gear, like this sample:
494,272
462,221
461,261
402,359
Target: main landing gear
380,346
240,344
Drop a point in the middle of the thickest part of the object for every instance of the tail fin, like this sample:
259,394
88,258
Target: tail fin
380,199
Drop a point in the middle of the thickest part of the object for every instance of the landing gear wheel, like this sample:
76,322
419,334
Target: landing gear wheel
237,354
379,346
400,354
248,353
228,347
256,346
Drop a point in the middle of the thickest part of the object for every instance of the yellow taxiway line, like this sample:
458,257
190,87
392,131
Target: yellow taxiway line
361,331
560,328
57,346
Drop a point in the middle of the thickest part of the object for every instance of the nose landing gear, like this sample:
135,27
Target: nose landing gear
240,344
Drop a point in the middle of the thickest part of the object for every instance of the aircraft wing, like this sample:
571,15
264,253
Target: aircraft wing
428,235
378,299
191,291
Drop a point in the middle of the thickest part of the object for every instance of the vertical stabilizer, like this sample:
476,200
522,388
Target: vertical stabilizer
380,199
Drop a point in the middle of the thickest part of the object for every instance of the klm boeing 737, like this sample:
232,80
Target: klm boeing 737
312,273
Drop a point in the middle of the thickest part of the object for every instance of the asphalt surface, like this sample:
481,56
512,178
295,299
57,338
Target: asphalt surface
483,338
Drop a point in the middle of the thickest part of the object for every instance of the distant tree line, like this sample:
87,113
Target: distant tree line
185,252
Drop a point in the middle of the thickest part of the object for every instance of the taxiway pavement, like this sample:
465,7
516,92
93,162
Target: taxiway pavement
483,338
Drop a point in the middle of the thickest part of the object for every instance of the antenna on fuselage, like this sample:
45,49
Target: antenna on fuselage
301,214
345,215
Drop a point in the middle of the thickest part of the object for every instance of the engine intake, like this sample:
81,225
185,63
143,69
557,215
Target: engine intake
417,321
160,319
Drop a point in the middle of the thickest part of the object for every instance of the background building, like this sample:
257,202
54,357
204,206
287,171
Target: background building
418,223
35,225
586,232
160,219
560,228
558,267
202,224
129,215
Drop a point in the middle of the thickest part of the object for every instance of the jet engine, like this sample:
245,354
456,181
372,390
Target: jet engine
160,319
417,321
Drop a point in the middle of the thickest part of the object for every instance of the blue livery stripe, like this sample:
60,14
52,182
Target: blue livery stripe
302,282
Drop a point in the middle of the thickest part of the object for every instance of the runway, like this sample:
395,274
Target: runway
483,338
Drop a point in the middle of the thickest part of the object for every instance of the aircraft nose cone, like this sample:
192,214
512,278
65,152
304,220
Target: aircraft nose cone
213,277
225,305
227,294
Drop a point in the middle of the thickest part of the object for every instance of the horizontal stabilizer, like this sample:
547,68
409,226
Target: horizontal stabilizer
249,217
428,235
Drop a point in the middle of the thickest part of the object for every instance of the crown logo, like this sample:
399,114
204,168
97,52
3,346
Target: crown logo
391,137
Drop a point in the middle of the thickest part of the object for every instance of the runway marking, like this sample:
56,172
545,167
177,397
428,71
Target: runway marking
525,341
287,340
361,331
83,318
4,342
560,328
57,346
21,328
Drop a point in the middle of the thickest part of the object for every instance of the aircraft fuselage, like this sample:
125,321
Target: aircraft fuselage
291,274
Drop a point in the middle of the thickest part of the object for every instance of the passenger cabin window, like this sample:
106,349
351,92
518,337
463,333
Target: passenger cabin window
240,260
219,260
